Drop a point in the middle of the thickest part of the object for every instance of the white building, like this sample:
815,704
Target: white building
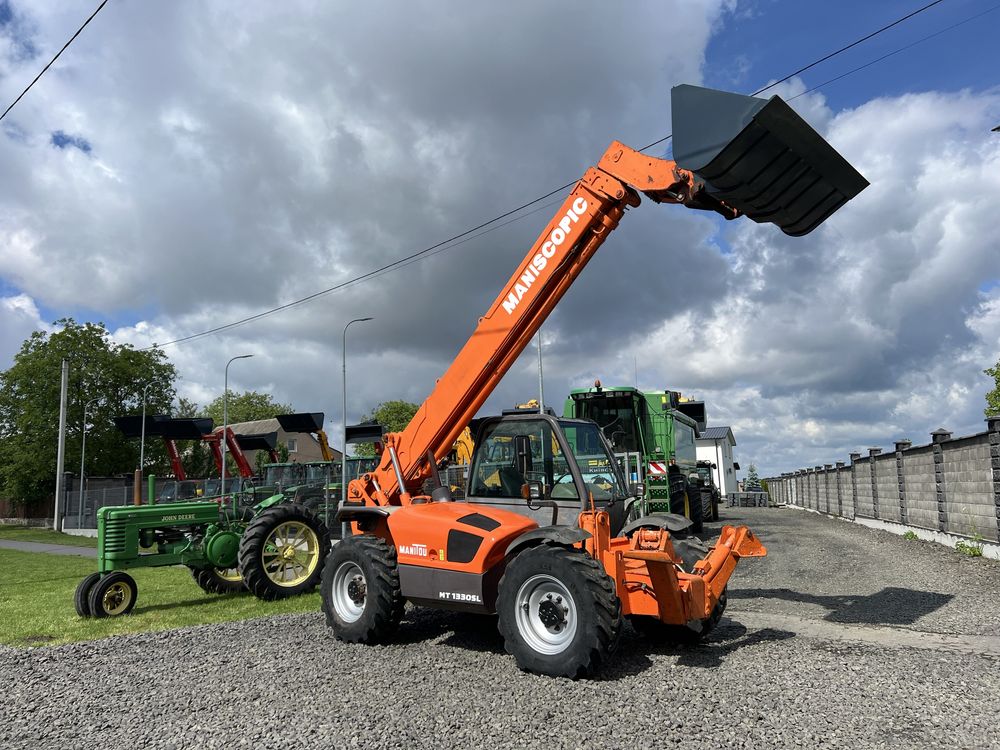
716,445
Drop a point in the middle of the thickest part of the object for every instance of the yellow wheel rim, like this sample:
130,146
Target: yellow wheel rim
232,575
117,598
291,554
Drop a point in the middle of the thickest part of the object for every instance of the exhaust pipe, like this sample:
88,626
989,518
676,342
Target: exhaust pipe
759,157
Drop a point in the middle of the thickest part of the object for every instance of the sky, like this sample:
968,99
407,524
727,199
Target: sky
184,165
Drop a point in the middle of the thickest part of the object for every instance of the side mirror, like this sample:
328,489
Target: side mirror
639,490
714,466
532,490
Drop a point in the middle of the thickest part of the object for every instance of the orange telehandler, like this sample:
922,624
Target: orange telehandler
561,592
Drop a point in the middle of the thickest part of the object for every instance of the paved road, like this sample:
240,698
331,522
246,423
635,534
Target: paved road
52,549
843,637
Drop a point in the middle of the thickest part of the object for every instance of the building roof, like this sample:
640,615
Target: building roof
718,433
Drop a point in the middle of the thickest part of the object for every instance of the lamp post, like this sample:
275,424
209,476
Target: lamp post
225,427
541,382
83,453
343,453
142,438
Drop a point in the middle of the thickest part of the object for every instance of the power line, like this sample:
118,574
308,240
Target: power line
465,236
103,3
896,51
849,46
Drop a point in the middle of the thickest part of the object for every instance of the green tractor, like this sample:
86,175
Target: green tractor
275,551
711,497
655,438
315,485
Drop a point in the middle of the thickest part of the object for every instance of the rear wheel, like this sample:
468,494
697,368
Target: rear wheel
361,597
218,580
282,552
81,597
559,613
113,595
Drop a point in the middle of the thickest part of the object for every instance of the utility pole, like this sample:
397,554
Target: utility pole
61,451
541,382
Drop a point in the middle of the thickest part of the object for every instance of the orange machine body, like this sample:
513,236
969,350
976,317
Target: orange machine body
434,541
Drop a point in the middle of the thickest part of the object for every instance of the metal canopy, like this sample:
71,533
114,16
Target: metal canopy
761,158
261,442
371,432
131,426
301,422
186,428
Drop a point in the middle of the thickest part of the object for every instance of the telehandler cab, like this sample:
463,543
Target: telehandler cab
561,592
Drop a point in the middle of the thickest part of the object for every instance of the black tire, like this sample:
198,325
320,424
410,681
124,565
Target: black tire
271,573
361,597
81,598
212,581
696,511
715,506
547,633
113,595
691,550
707,504
655,630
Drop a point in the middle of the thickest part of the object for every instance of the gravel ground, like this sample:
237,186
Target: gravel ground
283,681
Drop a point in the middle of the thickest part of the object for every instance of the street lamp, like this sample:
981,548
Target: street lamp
343,453
142,439
225,428
83,453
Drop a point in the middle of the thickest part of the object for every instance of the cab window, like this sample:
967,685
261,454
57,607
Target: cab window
515,452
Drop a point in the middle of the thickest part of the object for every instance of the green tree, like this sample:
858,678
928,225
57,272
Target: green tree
245,407
393,416
993,396
110,375
187,409
752,482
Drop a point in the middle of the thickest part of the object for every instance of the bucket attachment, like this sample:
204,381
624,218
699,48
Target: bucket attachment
761,158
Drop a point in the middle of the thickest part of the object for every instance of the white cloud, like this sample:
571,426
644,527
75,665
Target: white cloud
19,318
243,156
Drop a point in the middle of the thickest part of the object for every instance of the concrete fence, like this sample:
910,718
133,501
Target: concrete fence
949,485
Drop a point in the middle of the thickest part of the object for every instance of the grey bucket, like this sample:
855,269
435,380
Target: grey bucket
761,158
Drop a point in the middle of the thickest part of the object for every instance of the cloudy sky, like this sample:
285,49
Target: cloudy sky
187,164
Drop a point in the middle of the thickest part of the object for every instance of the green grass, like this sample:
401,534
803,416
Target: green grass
36,601
46,536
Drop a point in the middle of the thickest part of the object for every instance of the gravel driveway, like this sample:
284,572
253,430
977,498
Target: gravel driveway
844,636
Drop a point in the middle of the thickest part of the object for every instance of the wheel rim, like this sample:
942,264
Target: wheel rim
546,614
349,592
291,553
117,598
229,575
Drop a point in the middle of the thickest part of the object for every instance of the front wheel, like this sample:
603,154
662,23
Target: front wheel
81,599
361,597
113,595
282,552
559,613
